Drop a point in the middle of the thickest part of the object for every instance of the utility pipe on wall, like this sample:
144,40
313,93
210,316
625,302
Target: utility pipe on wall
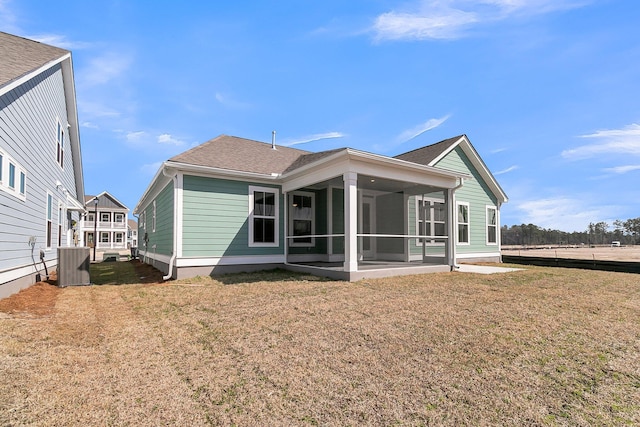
175,223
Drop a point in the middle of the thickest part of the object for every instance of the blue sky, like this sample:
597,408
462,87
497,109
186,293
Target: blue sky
546,90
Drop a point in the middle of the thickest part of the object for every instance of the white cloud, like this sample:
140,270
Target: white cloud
165,138
150,169
104,69
562,213
312,138
446,24
507,170
622,169
229,102
450,19
59,40
416,131
89,125
136,136
612,141
8,18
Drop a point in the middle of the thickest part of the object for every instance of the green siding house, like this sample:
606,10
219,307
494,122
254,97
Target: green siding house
233,204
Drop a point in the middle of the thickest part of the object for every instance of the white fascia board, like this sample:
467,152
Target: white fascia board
158,178
479,164
369,164
209,170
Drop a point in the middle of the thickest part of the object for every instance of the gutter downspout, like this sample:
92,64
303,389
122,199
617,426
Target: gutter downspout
175,224
453,261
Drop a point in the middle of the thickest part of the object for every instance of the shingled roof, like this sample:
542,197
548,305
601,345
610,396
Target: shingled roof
240,154
428,154
20,56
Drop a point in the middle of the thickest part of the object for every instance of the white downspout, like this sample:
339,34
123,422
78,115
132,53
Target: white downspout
175,224
452,231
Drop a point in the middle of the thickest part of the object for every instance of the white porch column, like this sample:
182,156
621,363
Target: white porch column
350,221
450,243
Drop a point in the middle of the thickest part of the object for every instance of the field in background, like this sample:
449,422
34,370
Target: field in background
625,253
540,346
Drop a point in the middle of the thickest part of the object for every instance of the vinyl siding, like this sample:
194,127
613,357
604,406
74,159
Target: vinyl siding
215,218
478,195
28,135
162,237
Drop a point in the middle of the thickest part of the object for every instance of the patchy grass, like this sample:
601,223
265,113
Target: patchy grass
541,346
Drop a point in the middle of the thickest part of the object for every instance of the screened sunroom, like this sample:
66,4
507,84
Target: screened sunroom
353,215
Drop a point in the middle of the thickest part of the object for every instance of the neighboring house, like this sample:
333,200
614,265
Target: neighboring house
233,204
41,180
132,233
111,227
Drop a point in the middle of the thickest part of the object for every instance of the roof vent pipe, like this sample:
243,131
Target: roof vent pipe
273,139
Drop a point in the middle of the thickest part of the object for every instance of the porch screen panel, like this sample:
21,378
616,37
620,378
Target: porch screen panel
302,218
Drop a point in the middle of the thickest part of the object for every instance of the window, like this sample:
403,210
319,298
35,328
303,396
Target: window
492,225
263,216
463,223
91,217
49,218
105,216
60,145
104,237
118,237
301,218
431,218
118,217
153,218
12,175
23,180
59,225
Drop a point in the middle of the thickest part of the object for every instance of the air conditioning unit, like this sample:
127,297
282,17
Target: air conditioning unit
73,266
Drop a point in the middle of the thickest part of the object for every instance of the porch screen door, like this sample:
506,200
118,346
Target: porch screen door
368,227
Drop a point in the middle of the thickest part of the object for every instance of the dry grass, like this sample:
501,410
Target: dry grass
541,346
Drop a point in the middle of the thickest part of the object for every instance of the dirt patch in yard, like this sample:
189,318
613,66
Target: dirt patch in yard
36,300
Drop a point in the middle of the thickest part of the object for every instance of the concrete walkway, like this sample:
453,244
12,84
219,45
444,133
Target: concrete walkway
484,269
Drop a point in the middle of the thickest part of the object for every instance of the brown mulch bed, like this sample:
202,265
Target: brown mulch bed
38,299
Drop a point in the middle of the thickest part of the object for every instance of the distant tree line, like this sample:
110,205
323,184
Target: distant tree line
600,233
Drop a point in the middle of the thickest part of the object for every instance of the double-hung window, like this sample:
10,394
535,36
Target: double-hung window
60,219
49,218
431,218
301,218
60,145
263,216
463,223
492,225
12,176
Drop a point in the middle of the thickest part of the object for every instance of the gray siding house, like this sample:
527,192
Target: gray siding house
233,204
41,181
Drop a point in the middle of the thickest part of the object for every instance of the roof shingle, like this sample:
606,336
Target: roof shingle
239,154
19,56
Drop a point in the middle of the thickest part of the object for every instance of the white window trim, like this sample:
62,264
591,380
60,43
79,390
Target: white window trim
48,222
467,243
292,241
115,238
431,200
153,218
116,215
60,131
276,192
60,224
102,233
104,213
489,225
18,172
